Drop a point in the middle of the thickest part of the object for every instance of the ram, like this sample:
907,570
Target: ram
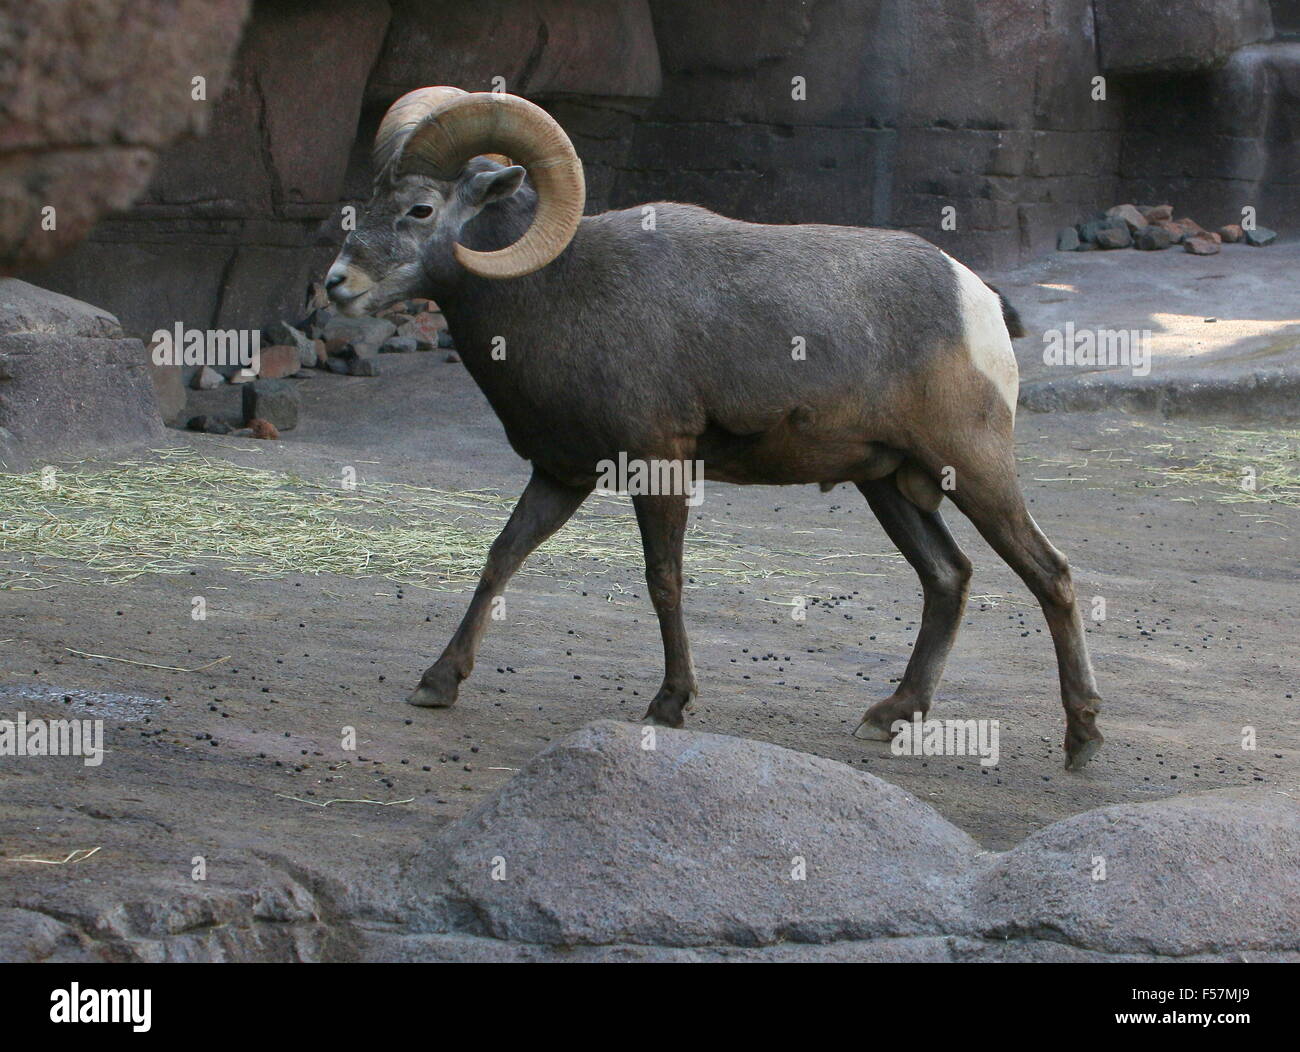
779,355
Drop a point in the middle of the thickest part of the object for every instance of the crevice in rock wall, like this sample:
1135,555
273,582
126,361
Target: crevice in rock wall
267,151
223,289
534,58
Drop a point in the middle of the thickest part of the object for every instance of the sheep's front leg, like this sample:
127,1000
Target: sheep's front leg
663,530
544,507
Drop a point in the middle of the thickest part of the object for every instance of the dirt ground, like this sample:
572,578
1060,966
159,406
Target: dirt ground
232,763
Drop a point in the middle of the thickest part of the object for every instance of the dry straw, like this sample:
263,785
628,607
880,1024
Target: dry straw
1221,458
177,510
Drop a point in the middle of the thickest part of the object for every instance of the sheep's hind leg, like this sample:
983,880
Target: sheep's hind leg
663,532
987,492
924,540
544,507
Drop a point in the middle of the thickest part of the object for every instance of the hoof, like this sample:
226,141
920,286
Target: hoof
868,731
427,698
668,709
1080,751
876,723
437,690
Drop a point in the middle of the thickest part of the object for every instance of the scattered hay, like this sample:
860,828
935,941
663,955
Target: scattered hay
1222,457
179,511
345,800
146,664
80,855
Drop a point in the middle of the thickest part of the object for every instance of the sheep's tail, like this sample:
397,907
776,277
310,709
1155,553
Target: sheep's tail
1010,316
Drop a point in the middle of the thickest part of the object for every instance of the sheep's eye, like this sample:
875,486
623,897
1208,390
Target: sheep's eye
420,212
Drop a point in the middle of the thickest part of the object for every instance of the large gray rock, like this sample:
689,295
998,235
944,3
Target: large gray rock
70,383
609,852
603,850
1139,36
1192,875
281,332
693,842
29,936
27,309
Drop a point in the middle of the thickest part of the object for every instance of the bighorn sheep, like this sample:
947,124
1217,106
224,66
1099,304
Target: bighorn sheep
671,341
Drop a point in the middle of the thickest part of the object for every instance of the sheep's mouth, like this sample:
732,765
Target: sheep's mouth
349,304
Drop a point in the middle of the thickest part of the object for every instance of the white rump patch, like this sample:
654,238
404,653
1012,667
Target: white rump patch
987,339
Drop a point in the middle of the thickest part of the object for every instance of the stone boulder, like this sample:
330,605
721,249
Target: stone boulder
70,382
1203,244
281,333
29,936
1154,238
695,841
626,843
1131,215
249,212
1112,227
1192,875
1142,36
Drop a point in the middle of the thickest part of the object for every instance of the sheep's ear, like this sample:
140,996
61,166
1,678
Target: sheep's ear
485,187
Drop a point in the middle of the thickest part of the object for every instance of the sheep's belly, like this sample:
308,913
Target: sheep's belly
783,457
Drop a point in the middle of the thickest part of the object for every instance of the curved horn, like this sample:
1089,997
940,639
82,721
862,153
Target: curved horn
469,125
402,118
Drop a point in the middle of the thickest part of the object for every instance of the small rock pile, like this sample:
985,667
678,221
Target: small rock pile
351,346
1152,228
324,340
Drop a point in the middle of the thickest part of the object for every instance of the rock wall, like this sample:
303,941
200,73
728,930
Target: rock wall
89,94
1140,36
910,108
971,122
1219,140
235,224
